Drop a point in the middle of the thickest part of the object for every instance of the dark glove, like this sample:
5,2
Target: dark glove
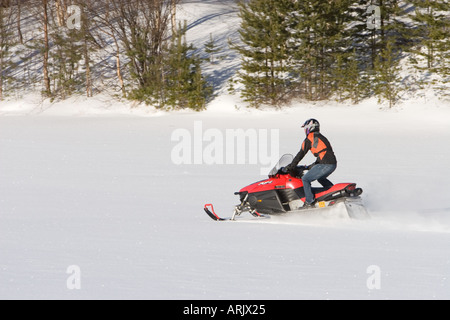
292,170
298,171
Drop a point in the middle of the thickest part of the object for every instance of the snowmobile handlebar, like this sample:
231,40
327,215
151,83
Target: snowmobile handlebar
298,171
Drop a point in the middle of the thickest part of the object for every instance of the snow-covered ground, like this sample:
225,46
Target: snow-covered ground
103,194
93,204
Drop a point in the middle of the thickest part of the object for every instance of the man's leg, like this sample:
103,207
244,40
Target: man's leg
327,184
319,171
310,176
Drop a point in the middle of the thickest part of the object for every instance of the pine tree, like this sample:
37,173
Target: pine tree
264,33
377,22
66,53
321,37
200,91
339,76
212,49
354,82
186,86
386,79
347,78
432,34
366,32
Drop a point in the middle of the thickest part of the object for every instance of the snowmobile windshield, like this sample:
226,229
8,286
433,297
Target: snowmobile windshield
283,162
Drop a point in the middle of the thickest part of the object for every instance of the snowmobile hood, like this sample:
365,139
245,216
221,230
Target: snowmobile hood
277,182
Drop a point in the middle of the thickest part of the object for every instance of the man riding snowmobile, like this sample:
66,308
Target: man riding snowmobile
324,166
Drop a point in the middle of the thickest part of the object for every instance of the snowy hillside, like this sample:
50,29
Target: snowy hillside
94,205
205,19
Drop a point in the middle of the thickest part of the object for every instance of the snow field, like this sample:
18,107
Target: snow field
102,193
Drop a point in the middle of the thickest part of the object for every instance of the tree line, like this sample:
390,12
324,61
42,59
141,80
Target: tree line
343,49
135,46
290,49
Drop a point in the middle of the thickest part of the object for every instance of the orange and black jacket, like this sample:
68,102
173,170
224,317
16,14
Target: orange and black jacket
319,146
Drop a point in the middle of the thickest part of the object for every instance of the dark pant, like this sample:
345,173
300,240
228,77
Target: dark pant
319,172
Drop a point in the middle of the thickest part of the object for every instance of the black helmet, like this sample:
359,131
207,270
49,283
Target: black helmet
311,125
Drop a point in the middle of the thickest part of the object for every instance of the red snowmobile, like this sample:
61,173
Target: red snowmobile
283,194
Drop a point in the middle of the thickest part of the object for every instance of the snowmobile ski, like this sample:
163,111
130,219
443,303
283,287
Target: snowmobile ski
209,209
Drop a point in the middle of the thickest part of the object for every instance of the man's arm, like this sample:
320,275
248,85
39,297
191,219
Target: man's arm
301,154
